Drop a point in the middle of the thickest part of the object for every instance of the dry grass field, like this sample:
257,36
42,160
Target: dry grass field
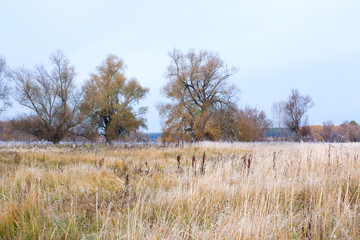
241,191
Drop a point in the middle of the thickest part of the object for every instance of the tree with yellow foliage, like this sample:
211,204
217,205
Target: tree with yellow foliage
110,100
198,90
251,124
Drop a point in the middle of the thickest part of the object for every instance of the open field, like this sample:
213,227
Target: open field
244,191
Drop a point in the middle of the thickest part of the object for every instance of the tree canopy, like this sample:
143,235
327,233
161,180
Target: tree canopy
110,101
251,124
197,88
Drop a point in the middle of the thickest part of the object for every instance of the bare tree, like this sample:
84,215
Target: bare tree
197,89
4,86
296,108
279,119
278,114
52,98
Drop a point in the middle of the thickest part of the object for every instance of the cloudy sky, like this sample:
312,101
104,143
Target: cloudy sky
278,45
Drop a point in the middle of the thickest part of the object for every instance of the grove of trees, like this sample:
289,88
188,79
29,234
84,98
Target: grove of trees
58,109
202,104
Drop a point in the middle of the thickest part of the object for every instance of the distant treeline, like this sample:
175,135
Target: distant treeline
328,132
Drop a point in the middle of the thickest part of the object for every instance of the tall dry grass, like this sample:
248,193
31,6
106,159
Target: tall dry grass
246,191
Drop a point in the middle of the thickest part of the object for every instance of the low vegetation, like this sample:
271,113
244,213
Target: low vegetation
200,191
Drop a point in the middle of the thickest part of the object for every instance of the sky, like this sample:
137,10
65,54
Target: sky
277,45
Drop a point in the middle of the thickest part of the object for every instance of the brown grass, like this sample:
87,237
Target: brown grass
241,191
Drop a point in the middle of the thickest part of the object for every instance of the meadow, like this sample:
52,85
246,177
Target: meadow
233,191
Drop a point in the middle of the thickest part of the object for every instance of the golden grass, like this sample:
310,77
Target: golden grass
290,191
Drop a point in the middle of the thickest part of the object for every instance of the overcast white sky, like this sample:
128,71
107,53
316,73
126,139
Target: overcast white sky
277,45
